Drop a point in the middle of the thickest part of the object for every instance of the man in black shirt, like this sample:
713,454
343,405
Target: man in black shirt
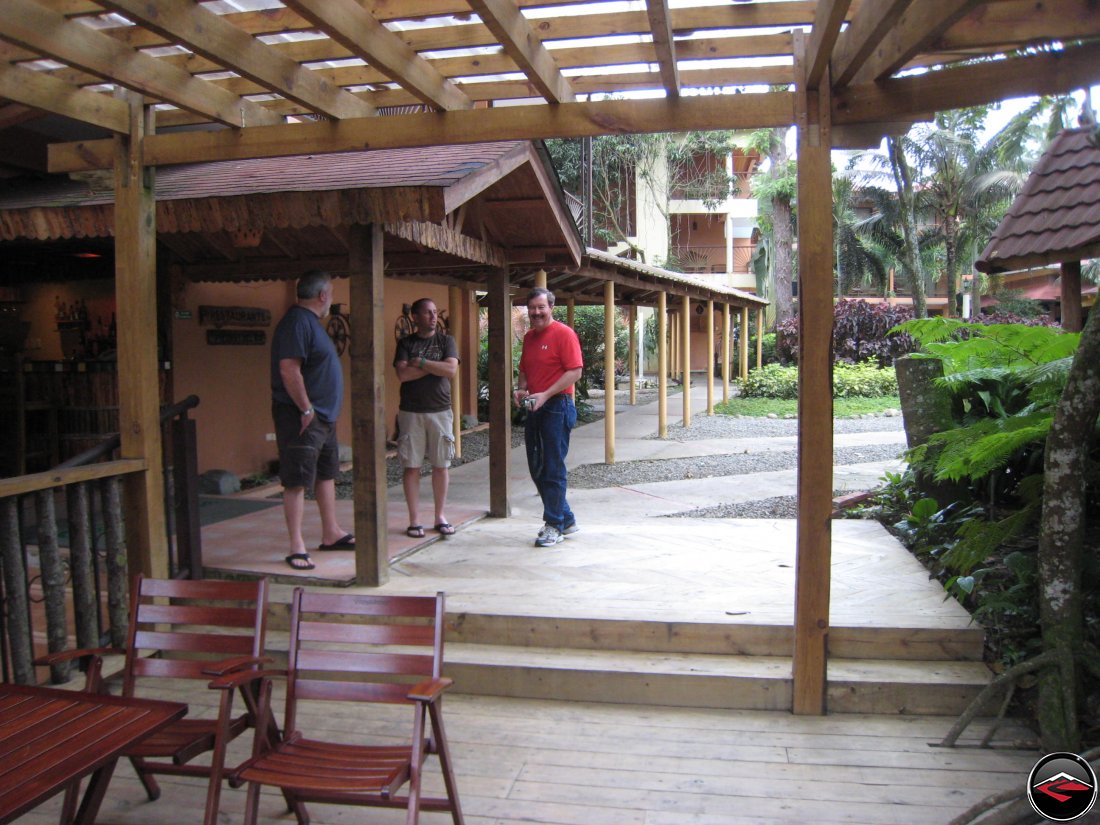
426,361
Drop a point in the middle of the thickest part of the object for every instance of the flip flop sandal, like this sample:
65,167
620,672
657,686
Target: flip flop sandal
346,543
445,529
414,531
304,562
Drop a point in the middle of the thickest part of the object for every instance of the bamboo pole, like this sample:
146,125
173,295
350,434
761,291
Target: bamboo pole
725,352
685,358
609,372
662,366
744,343
632,354
710,356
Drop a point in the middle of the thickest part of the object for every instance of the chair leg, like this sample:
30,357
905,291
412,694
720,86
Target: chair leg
68,805
445,763
152,789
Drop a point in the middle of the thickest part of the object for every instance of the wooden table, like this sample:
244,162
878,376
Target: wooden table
50,738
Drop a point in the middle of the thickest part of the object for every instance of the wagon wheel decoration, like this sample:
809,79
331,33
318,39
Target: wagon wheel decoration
339,330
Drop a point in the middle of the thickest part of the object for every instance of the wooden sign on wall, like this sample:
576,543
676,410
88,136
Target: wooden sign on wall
236,337
219,317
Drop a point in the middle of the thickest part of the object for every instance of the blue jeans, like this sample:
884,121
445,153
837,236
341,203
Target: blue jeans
546,432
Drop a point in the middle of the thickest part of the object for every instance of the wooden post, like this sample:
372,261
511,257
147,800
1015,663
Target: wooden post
457,317
662,366
673,344
138,377
571,313
500,392
815,413
540,278
725,352
81,570
710,356
743,343
759,337
1071,296
17,615
609,372
368,403
632,353
685,358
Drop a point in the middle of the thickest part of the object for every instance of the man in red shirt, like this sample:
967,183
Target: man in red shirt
549,367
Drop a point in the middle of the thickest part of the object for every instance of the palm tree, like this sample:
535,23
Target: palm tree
859,261
775,190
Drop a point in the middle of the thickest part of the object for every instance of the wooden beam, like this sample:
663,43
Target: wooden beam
31,25
470,186
858,42
771,109
660,25
1071,296
138,375
1020,22
957,87
500,393
815,412
203,32
368,403
522,44
354,28
442,239
49,94
921,24
828,18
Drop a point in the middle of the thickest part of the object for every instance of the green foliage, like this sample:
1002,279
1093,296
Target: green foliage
767,349
849,381
784,407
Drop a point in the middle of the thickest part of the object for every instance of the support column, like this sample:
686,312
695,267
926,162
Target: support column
662,366
1071,296
759,337
710,356
674,344
138,375
571,313
368,403
540,278
632,353
815,412
500,392
743,349
609,372
457,317
725,352
685,358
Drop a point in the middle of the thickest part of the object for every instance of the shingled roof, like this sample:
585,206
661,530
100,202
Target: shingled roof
1057,215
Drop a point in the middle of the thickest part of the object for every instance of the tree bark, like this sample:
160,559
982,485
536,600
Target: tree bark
1061,539
782,231
904,179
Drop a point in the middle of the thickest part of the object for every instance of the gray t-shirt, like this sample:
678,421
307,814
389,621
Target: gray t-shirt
432,393
300,335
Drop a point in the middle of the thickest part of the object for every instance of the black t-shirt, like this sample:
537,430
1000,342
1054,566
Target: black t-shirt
432,393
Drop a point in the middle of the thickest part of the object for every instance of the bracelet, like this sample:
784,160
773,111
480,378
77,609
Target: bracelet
307,411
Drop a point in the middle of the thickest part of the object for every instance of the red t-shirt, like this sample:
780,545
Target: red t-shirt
549,354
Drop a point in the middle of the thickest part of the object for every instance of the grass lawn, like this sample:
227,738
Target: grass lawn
842,407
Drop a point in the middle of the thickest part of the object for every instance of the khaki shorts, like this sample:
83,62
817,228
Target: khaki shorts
425,435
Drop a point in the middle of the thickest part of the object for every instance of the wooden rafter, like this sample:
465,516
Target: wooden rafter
520,43
206,33
34,27
921,24
830,15
855,46
354,28
660,24
49,94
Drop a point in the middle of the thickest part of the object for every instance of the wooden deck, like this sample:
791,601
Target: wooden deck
566,763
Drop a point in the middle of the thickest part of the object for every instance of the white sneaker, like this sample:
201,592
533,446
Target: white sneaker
570,529
549,536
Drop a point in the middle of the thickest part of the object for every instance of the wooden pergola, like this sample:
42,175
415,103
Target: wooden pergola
171,81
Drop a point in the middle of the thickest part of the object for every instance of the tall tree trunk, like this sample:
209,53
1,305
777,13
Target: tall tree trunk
903,178
1061,540
951,264
782,231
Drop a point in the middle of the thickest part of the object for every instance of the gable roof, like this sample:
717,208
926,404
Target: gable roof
1056,217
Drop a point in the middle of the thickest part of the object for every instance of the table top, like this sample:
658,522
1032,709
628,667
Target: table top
49,737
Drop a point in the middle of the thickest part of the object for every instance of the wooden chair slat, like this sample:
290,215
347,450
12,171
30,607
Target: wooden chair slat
383,634
207,589
215,645
354,662
197,614
352,691
368,605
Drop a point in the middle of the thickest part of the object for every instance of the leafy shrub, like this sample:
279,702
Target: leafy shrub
849,381
861,332
588,323
767,349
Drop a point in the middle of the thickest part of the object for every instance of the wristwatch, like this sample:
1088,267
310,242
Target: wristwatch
307,411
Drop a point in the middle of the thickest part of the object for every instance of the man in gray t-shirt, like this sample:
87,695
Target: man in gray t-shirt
425,362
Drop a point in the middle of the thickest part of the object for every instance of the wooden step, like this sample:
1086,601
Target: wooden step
904,644
745,682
